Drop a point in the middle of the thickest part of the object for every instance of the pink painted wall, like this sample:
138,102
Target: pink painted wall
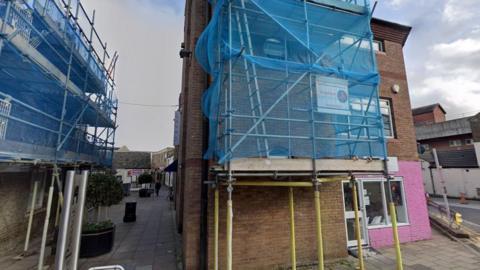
419,228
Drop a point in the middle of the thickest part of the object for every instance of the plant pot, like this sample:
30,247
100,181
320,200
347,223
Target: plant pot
93,244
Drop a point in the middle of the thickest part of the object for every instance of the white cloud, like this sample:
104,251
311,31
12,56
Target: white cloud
458,48
460,11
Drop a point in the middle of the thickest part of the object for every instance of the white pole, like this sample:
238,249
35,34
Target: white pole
77,229
63,229
47,218
442,181
30,217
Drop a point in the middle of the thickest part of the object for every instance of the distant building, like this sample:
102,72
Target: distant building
131,164
162,160
434,131
457,144
429,114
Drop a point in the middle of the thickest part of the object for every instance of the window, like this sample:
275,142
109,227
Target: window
375,200
378,45
468,141
425,146
386,110
455,143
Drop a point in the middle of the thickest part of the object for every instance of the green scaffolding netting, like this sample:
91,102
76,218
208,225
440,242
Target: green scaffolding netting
291,79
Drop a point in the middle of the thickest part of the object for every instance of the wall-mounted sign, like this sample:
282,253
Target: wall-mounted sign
332,95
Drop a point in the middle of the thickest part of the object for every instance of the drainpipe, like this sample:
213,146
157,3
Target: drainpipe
204,186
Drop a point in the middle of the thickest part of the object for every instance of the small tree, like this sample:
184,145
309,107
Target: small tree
145,178
103,190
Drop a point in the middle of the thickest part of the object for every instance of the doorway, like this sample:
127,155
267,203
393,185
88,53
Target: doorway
350,214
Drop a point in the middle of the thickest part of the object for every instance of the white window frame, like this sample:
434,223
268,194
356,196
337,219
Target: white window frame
468,141
389,107
378,46
383,182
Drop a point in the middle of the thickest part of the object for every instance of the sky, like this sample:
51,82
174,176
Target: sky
442,59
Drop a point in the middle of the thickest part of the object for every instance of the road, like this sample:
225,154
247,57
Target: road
470,212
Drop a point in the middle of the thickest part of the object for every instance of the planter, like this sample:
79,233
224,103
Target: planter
130,212
144,192
97,243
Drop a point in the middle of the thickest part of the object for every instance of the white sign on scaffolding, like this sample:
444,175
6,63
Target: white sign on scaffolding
332,95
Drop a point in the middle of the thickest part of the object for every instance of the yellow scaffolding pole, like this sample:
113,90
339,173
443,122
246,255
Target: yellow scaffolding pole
357,225
396,239
216,206
229,234
293,255
319,229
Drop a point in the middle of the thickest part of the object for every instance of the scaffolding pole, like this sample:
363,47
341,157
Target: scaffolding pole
30,216
229,228
215,220
293,254
393,217
357,224
47,218
318,217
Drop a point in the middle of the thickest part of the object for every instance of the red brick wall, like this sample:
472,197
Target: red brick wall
436,116
194,83
261,228
392,71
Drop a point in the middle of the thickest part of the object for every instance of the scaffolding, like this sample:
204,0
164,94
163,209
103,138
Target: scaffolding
291,79
57,85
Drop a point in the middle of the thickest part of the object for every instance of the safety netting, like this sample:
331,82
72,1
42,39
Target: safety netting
57,98
291,79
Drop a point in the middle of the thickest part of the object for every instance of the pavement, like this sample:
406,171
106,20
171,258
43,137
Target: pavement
439,253
150,243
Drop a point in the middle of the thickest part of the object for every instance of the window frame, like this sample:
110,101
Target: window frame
381,45
390,115
468,141
453,143
383,182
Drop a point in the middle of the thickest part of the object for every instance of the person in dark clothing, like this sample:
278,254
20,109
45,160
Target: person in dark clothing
157,187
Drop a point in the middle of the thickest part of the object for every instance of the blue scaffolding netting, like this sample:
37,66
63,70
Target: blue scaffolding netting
291,79
57,94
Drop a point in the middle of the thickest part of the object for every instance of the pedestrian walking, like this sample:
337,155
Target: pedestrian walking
157,187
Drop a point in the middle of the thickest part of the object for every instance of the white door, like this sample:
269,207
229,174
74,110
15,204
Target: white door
350,215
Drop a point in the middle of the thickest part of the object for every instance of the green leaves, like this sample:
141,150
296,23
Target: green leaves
103,190
145,178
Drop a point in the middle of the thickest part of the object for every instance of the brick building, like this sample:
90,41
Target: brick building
261,238
434,131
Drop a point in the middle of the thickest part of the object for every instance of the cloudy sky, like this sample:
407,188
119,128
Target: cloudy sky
442,57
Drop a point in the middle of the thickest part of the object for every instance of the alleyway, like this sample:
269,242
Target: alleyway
150,243
147,244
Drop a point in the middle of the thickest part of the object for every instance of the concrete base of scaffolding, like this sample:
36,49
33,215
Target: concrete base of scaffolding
305,165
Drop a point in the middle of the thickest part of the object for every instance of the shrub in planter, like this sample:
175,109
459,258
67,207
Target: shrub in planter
144,179
103,191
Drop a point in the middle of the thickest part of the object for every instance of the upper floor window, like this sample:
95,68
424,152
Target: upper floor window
386,110
378,45
455,143
468,141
